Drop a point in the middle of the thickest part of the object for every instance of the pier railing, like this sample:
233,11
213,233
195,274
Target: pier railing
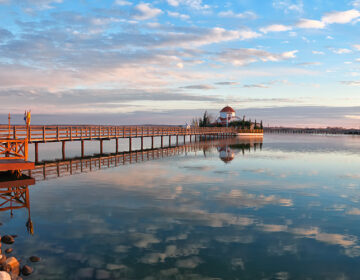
52,133
13,149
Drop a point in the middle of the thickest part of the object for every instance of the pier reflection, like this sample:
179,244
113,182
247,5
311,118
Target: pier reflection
227,148
14,195
14,192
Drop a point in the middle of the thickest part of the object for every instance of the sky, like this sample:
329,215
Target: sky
287,62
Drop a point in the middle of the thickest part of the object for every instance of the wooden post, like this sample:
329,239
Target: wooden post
152,142
142,142
177,140
101,146
63,150
117,145
169,140
184,138
82,148
43,132
130,144
162,141
190,138
36,152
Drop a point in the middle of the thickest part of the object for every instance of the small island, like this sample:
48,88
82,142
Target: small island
227,118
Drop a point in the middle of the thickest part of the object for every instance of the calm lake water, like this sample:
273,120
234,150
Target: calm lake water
286,208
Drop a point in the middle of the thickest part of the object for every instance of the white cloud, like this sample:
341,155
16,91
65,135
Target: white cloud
289,6
199,37
351,83
275,28
231,14
241,57
341,17
318,52
354,211
356,3
256,86
122,2
178,15
40,4
174,3
310,23
290,54
357,47
145,11
193,4
341,51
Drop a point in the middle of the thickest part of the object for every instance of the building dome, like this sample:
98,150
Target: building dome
227,109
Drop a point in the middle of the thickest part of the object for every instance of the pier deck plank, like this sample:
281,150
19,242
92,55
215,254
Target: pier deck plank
16,164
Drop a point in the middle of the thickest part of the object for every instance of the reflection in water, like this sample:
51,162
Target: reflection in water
228,149
184,214
14,194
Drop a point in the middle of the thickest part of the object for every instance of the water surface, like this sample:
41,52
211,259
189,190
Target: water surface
285,208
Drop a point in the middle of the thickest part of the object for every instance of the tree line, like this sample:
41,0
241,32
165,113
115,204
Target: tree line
208,120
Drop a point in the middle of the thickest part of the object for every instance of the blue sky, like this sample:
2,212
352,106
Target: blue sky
175,58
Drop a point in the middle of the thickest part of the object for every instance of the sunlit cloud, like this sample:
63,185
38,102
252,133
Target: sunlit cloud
244,15
310,23
144,11
341,17
275,28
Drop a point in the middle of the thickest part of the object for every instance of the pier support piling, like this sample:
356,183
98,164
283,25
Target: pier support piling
82,148
162,141
142,143
36,152
63,150
101,147
117,145
152,142
130,144
169,140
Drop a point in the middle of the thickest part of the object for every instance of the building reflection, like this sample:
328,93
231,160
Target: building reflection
229,149
14,195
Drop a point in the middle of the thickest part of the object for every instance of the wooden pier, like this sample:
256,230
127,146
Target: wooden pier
63,133
37,134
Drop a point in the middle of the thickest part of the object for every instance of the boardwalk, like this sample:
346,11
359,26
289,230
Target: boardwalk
51,133
62,133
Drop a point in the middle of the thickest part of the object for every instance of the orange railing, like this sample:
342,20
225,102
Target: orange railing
55,133
13,149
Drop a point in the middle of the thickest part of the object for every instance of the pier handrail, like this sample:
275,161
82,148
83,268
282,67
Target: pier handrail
55,133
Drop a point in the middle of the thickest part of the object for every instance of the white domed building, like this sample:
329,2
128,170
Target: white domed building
227,115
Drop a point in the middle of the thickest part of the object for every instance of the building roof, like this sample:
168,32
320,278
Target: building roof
227,109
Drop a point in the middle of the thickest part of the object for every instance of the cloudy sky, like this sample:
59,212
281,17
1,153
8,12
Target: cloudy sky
288,62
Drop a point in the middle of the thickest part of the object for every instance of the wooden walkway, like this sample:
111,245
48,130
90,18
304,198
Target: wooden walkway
63,133
51,133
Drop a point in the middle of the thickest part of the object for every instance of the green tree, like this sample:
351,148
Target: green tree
205,121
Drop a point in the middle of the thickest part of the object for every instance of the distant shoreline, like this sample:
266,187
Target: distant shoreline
328,130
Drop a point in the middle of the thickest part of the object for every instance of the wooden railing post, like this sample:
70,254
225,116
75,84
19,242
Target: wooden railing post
43,133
